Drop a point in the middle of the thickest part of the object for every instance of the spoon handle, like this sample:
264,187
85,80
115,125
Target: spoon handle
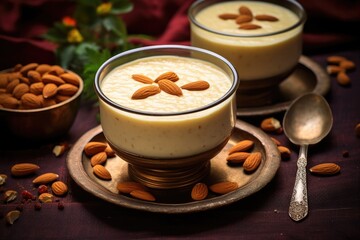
299,201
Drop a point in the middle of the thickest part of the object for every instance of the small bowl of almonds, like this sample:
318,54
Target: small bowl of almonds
38,101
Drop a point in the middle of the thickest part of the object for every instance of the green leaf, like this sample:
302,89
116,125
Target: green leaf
66,55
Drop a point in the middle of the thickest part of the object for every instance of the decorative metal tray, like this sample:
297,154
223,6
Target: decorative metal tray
307,77
178,201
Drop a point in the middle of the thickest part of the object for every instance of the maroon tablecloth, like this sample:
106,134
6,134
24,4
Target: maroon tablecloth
334,202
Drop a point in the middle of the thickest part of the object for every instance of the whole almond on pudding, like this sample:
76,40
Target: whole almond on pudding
59,188
237,157
24,169
142,78
196,86
143,195
249,26
170,87
169,76
49,90
70,78
45,178
252,162
101,172
224,187
199,191
92,148
99,158
241,146
128,187
145,92
227,16
266,17
243,19
243,10
31,101
325,169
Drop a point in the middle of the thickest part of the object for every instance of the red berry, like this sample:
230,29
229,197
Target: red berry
27,195
42,189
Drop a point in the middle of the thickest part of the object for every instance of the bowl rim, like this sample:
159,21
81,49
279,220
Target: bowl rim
57,105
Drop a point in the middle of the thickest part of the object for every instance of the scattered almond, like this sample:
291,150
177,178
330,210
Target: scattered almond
196,86
101,172
335,59
237,157
142,78
99,158
10,195
347,64
92,148
252,162
270,124
12,216
24,169
333,69
242,146
343,79
199,191
60,149
224,187
276,141
143,195
285,152
145,92
46,198
128,187
45,178
325,169
171,76
59,188
170,87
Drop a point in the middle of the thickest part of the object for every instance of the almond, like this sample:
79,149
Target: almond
59,188
227,16
92,148
241,146
249,26
335,59
243,19
34,76
10,195
31,101
169,76
99,158
285,152
196,86
243,10
145,92
70,78
37,88
343,79
23,169
56,69
270,124
143,195
9,102
45,178
110,152
46,198
142,78
333,69
12,216
101,172
277,142
43,68
48,102
31,66
224,187
237,157
49,78
325,169
347,65
20,90
49,90
11,85
199,191
67,89
60,149
128,187
24,80
170,87
265,17
61,98
252,162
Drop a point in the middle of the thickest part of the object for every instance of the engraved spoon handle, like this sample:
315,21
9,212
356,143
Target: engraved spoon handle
298,208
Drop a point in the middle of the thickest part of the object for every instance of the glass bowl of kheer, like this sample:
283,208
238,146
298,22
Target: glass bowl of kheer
167,110
262,39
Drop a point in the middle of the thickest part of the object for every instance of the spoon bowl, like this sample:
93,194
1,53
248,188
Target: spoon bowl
307,121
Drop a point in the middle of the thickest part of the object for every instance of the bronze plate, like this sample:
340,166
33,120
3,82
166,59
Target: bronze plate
307,77
178,200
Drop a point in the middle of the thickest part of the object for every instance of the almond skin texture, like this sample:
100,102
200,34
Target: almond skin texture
227,16
170,87
50,90
25,69
143,195
101,172
265,17
10,102
49,78
24,169
34,76
243,19
31,101
128,187
284,152
67,89
92,148
46,198
243,10
199,191
252,162
270,124
196,86
142,78
37,88
241,146
11,85
145,92
45,178
59,188
249,26
20,90
70,78
99,158
237,157
224,187
43,68
325,169
171,76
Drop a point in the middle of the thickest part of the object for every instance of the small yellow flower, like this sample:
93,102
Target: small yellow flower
74,36
104,8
